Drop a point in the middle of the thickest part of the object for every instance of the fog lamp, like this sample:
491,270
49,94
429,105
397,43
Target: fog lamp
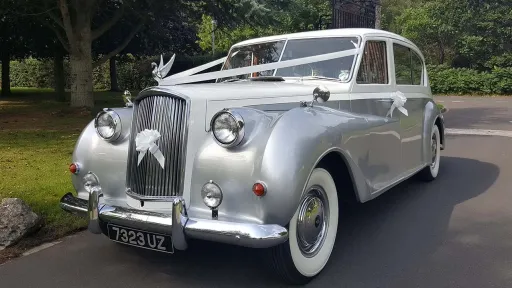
91,183
212,195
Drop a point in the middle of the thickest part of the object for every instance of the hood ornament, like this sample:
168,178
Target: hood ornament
127,98
160,71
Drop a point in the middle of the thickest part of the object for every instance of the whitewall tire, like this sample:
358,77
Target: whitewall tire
431,171
312,232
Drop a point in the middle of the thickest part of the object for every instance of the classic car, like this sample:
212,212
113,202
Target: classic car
264,152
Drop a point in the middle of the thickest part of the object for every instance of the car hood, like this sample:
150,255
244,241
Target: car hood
253,89
209,98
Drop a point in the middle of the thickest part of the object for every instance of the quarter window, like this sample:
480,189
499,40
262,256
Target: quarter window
374,67
417,69
408,66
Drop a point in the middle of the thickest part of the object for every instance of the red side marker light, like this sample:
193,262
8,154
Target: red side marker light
259,189
73,168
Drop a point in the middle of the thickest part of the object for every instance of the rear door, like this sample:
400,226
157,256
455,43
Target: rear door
409,80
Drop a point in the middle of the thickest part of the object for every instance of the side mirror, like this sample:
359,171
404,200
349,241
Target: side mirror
321,94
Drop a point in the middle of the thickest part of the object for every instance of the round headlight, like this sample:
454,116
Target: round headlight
228,128
211,194
108,125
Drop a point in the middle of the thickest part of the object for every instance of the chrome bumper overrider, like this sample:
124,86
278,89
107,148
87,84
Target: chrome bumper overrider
177,224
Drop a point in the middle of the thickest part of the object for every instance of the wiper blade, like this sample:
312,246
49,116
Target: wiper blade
321,78
232,80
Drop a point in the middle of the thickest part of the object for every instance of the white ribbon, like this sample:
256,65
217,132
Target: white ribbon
399,100
198,68
185,77
145,141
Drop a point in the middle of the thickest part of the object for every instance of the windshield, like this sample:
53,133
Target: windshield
262,53
250,55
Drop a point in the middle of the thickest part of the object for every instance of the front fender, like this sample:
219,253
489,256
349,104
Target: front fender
106,160
281,151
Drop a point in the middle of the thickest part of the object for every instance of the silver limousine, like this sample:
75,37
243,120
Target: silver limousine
264,152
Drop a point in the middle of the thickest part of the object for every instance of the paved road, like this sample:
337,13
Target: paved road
453,232
478,112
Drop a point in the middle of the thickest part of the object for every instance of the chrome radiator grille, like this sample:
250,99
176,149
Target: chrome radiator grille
169,116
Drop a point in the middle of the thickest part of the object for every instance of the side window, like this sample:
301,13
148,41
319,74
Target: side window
417,69
374,64
408,66
402,64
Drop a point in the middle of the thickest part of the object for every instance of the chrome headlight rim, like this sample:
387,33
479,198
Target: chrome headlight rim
116,120
240,123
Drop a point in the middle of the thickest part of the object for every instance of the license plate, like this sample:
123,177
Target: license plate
139,238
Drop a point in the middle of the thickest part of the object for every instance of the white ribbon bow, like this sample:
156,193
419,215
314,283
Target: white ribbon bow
145,141
399,100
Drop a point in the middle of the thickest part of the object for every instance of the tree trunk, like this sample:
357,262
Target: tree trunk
58,75
6,80
114,87
81,80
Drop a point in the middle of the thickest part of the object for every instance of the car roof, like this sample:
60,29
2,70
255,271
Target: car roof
343,32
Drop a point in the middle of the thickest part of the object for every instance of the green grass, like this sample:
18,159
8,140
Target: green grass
37,138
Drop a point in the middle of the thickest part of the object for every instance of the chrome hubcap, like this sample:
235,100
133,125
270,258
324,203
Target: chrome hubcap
312,222
434,150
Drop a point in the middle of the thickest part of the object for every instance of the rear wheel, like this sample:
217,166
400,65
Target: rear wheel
430,172
312,232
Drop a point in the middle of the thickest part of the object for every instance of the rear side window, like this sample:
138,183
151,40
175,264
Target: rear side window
374,64
408,66
417,69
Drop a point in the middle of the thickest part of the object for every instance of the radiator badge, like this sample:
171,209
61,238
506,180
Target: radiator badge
145,141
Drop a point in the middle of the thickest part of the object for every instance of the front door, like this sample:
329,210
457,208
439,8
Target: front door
372,95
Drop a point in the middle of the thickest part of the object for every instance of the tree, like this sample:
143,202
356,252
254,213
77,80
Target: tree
78,23
281,17
22,36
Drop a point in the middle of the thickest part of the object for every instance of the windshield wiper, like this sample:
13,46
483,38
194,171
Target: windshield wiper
320,77
232,80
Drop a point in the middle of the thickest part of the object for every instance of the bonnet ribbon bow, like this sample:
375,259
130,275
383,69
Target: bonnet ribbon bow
145,141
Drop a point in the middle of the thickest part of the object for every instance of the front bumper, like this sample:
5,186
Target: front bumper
176,223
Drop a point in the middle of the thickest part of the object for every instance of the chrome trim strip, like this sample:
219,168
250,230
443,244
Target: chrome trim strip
176,223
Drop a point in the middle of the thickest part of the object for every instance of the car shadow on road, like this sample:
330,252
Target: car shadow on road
376,242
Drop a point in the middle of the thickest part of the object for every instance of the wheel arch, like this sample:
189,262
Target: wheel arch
432,116
336,164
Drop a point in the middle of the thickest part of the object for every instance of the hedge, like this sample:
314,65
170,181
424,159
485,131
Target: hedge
135,73
446,80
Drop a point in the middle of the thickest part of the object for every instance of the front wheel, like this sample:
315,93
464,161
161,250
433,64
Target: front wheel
312,232
430,172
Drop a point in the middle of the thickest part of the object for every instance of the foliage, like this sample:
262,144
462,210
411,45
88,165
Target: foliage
287,16
446,80
459,33
225,37
134,73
